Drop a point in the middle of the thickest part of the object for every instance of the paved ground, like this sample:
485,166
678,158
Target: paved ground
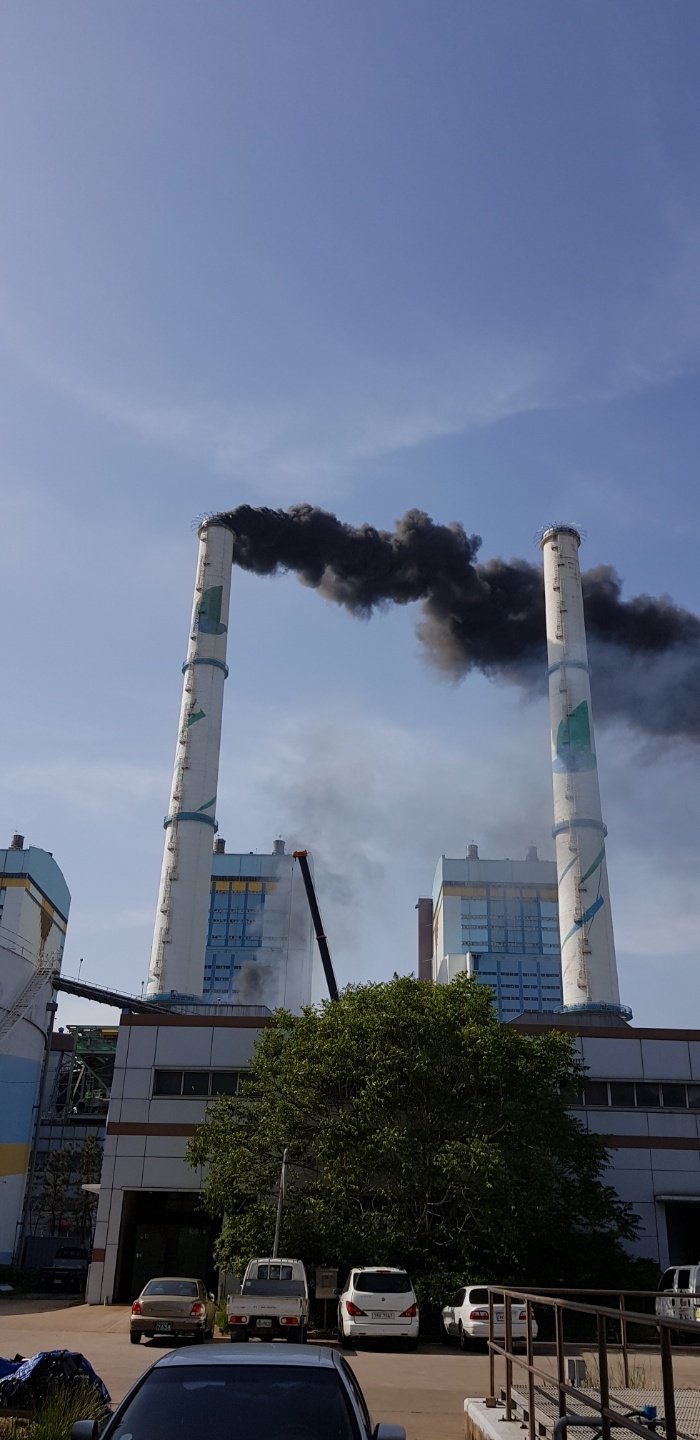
424,1392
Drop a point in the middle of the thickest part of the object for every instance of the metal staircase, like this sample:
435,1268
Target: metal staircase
25,998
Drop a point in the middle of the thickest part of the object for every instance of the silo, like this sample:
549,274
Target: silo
34,905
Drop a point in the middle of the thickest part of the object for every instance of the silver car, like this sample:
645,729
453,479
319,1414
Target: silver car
173,1305
278,1392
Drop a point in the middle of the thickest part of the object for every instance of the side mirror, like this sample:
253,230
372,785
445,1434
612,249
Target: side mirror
337,1294
84,1430
387,1431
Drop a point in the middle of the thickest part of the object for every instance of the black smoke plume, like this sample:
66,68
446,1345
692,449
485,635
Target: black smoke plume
487,615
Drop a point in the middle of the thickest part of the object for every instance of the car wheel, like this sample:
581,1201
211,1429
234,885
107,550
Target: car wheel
464,1342
343,1340
302,1335
134,1337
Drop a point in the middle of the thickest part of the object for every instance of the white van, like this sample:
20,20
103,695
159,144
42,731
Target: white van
678,1295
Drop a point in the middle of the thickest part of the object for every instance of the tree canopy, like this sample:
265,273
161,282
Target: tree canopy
421,1132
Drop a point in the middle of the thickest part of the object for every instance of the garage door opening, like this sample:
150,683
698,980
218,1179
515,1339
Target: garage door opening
163,1233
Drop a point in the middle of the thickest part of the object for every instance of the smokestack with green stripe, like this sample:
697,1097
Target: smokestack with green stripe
589,969
180,933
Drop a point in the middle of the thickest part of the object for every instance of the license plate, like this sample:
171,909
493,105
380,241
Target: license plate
163,1327
500,1316
264,1324
382,1314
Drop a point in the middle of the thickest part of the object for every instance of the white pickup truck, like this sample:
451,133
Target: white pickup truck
274,1302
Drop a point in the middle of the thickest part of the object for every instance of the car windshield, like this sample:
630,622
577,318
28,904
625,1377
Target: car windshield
383,1282
187,1288
243,1402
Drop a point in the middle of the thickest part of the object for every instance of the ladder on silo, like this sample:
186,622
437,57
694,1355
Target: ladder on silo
26,996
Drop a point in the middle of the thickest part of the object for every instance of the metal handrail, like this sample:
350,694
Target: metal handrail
604,1416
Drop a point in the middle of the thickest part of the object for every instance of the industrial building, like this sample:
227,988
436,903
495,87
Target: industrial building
149,1218
498,921
34,906
260,939
539,933
642,1095
68,1143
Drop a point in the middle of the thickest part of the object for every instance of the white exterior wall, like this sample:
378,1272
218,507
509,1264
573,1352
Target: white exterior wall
153,1160
643,1172
179,938
32,935
589,970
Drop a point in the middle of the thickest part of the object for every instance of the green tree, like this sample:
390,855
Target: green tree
421,1132
89,1165
55,1190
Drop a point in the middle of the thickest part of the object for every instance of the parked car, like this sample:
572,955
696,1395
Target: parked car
678,1289
466,1319
378,1302
288,1392
274,1302
173,1306
68,1270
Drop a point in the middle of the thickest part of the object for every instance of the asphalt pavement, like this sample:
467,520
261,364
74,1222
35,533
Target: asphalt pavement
425,1392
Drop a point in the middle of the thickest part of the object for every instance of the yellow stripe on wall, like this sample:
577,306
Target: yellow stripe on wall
14,1159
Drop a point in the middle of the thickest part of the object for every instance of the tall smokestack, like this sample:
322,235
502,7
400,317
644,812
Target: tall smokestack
589,970
179,937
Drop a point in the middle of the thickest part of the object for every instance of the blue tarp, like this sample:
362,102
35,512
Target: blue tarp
24,1382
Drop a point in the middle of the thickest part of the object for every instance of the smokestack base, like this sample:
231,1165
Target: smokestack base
598,1012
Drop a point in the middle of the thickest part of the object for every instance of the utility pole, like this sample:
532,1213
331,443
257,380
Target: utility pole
280,1198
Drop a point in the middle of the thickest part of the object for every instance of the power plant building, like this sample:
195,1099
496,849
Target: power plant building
260,940
498,921
34,906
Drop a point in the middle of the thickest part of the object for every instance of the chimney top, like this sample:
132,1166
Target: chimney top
17,842
531,853
472,852
278,847
219,846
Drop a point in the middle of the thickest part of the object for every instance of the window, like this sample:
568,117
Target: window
673,1095
196,1084
694,1097
283,1399
225,1082
595,1092
383,1282
648,1095
622,1092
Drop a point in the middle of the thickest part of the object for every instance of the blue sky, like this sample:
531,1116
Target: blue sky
371,256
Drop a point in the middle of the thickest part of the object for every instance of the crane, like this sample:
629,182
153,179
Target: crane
303,857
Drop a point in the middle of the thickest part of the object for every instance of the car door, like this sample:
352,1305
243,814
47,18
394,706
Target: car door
684,1306
455,1311
665,1297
